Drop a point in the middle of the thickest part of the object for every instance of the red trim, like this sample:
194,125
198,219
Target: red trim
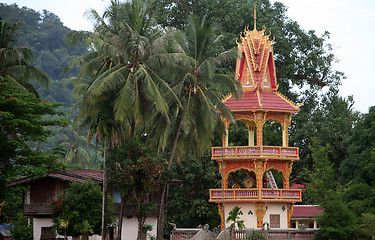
271,69
242,63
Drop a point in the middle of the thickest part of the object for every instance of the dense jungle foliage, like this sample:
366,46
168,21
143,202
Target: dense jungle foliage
336,143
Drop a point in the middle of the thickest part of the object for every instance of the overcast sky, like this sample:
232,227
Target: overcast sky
351,24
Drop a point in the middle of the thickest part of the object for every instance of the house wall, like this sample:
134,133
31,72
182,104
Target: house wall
276,208
129,228
250,217
38,224
47,222
45,190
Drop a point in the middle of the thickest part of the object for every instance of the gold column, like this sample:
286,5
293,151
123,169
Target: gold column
285,136
251,135
290,213
221,213
285,129
260,119
287,174
224,177
260,210
259,171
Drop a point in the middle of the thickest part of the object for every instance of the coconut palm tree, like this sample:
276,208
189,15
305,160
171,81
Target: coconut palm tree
127,51
119,83
200,83
15,61
235,219
76,146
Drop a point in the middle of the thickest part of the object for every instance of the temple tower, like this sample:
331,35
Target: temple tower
258,195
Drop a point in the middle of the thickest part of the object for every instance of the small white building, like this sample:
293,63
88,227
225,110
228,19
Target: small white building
304,216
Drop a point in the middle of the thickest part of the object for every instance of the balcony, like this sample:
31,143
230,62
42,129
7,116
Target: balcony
259,152
37,209
256,194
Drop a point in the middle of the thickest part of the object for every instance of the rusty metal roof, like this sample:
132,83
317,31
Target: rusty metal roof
73,175
306,211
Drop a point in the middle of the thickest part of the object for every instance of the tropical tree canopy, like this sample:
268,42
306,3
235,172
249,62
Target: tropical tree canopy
24,121
200,82
78,211
119,74
15,61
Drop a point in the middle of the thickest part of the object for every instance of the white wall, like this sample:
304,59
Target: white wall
251,219
130,227
276,208
47,222
38,224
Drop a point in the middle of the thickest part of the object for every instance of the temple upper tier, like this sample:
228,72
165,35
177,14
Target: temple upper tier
255,69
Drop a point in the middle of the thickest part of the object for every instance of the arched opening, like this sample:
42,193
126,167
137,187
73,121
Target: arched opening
242,178
243,133
273,179
272,133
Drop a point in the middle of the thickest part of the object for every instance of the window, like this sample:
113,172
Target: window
117,196
47,232
274,220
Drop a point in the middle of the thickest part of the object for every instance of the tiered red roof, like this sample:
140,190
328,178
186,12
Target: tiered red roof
306,211
266,100
255,69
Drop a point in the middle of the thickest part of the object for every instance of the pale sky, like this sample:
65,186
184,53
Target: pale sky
351,24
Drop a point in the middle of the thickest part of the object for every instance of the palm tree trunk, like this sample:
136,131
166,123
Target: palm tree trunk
141,223
164,196
123,199
104,202
132,129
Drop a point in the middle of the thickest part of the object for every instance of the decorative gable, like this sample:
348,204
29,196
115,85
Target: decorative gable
256,68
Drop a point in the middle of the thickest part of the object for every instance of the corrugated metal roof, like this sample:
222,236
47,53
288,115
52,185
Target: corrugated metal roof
306,211
73,175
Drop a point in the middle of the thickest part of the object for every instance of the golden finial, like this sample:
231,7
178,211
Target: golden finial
255,17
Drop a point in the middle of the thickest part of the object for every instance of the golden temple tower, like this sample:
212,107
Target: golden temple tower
259,197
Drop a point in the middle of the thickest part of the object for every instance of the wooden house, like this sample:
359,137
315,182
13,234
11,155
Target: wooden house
41,192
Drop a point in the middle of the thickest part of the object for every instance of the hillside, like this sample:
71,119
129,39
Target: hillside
45,34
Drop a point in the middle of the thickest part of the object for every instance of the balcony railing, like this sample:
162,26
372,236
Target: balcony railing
37,209
272,234
264,194
254,152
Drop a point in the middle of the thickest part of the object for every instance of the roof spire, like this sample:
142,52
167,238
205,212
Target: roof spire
255,17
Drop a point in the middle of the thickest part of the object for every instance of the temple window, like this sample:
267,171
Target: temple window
272,134
273,179
238,134
242,178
